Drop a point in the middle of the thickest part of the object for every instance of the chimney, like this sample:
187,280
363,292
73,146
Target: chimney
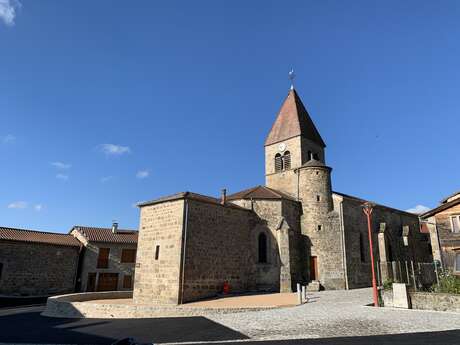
223,198
114,227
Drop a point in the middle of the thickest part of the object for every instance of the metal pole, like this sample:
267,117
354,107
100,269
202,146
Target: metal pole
407,273
378,274
413,275
436,272
299,294
368,211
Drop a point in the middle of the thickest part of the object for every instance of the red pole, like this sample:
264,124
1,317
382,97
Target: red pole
368,211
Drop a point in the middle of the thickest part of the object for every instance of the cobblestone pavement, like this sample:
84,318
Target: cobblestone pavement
336,314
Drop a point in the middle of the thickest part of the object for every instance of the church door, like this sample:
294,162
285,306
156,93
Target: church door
314,268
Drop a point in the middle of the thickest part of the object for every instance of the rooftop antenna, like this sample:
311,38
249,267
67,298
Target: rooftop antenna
291,78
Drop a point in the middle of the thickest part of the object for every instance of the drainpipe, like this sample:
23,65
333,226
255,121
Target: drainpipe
439,244
296,171
344,253
184,247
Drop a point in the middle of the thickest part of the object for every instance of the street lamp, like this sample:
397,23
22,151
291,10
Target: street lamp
367,209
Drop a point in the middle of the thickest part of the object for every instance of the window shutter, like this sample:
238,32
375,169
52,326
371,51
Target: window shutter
278,163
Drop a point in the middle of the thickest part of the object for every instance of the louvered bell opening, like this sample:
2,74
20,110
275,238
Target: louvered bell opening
287,160
278,163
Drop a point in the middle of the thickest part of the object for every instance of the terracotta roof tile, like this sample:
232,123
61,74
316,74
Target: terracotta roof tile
93,234
293,120
192,196
260,192
32,236
376,204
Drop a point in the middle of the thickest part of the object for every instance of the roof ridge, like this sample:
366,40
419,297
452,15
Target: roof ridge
246,193
31,230
100,228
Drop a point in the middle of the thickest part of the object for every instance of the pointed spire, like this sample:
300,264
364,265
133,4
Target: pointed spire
293,120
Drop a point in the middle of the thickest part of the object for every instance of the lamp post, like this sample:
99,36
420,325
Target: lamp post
367,209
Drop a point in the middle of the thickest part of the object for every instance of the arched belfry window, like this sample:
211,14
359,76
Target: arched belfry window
287,160
278,162
262,246
309,155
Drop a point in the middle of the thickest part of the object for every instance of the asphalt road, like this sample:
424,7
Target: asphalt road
26,325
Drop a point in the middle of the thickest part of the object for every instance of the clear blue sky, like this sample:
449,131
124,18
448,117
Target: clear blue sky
188,91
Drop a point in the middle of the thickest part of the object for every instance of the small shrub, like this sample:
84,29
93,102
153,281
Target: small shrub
388,284
448,283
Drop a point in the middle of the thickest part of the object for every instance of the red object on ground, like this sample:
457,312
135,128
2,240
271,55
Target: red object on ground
226,288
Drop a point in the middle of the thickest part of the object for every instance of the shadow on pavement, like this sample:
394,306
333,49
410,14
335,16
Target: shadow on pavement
424,338
26,325
21,301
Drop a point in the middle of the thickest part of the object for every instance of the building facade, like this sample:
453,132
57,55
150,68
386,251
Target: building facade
107,259
35,263
294,229
443,225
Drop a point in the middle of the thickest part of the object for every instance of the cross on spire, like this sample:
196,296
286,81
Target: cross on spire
291,78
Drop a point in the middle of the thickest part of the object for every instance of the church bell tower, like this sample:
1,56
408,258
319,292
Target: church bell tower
295,165
293,141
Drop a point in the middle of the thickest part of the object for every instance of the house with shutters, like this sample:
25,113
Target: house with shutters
107,259
443,225
38,263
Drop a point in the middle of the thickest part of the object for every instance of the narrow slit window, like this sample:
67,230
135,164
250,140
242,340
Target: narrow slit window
320,227
262,248
157,252
318,198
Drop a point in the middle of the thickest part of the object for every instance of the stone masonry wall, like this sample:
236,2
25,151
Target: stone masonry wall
321,227
287,181
282,269
435,301
89,263
217,249
158,281
298,258
37,269
355,225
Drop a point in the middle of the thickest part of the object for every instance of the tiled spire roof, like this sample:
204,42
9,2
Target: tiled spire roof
293,120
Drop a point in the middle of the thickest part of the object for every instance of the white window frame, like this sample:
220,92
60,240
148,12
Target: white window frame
457,217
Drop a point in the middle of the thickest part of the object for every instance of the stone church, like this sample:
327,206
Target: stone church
295,229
